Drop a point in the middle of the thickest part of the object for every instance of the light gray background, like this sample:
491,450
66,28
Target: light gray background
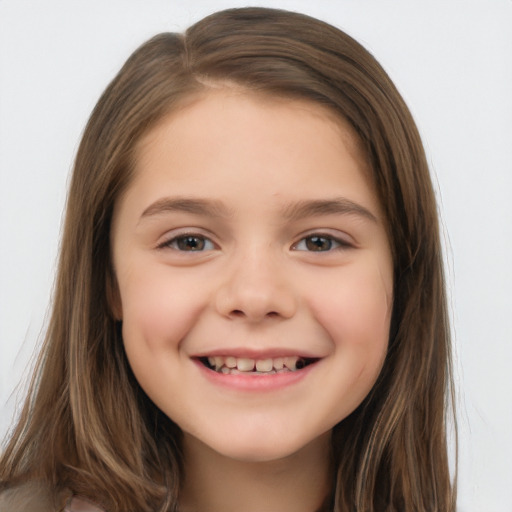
451,59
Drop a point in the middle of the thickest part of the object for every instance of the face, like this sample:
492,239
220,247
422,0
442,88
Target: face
254,272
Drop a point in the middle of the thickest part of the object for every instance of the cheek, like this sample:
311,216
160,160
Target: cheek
355,309
158,310
355,312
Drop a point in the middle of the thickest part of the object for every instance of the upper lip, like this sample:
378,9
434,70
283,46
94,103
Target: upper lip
270,353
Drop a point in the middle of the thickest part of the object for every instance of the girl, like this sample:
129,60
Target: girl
249,310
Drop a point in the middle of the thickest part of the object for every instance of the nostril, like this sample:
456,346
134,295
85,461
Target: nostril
240,313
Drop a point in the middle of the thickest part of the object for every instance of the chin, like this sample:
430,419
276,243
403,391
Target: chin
257,453
262,447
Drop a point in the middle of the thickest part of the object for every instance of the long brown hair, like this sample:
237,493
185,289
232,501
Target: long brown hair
89,428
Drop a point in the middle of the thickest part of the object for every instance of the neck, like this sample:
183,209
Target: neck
214,483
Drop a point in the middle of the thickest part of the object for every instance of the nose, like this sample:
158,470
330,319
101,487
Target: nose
254,289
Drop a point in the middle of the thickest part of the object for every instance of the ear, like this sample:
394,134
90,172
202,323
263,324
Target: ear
113,296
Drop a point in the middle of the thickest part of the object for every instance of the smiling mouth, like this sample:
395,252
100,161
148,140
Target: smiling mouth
230,365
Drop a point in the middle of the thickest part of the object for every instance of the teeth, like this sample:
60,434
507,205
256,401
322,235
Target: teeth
264,365
291,362
279,363
234,365
231,362
245,365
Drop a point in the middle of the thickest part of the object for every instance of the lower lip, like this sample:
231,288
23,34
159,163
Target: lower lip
255,383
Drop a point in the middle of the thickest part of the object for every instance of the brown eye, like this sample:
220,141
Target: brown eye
190,243
320,243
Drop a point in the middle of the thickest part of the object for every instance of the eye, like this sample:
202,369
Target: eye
189,243
319,243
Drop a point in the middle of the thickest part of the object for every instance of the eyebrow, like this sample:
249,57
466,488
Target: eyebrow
292,212
315,208
204,207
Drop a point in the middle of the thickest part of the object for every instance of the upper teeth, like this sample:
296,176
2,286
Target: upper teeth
244,364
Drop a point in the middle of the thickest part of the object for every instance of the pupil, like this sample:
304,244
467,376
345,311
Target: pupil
190,243
318,243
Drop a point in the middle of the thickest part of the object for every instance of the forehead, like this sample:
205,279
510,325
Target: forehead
212,106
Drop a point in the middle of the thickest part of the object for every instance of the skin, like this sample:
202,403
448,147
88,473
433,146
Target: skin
257,285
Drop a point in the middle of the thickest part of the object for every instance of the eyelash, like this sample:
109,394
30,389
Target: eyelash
332,242
339,244
173,242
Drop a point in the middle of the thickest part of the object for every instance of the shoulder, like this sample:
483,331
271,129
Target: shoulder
81,505
36,497
31,496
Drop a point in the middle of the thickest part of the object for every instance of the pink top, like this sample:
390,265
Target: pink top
81,505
